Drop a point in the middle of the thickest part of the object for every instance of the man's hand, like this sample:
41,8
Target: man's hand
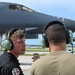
35,56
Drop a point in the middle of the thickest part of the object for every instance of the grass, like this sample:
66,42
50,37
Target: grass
39,49
32,54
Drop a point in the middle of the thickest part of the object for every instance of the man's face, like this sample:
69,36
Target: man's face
19,45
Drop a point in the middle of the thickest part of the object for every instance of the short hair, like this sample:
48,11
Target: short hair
56,32
18,33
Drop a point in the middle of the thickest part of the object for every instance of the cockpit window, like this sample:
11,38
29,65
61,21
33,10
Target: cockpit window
26,9
13,7
20,7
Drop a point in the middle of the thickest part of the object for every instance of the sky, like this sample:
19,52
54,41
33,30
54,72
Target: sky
58,8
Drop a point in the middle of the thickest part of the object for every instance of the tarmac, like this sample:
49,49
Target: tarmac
25,64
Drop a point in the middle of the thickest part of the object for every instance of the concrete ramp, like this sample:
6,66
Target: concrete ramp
25,64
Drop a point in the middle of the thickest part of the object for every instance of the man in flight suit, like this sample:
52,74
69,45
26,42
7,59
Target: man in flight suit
15,46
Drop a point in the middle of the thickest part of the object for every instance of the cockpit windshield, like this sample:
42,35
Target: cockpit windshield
20,7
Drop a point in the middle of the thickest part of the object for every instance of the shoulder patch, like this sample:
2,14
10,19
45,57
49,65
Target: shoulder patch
15,71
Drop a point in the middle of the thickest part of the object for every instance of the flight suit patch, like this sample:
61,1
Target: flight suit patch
15,71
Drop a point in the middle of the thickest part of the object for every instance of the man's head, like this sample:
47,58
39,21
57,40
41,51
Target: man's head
18,40
55,32
15,41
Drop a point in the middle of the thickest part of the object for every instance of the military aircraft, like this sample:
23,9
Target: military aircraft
14,15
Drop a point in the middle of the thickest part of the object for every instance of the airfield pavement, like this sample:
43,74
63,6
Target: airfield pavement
25,62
